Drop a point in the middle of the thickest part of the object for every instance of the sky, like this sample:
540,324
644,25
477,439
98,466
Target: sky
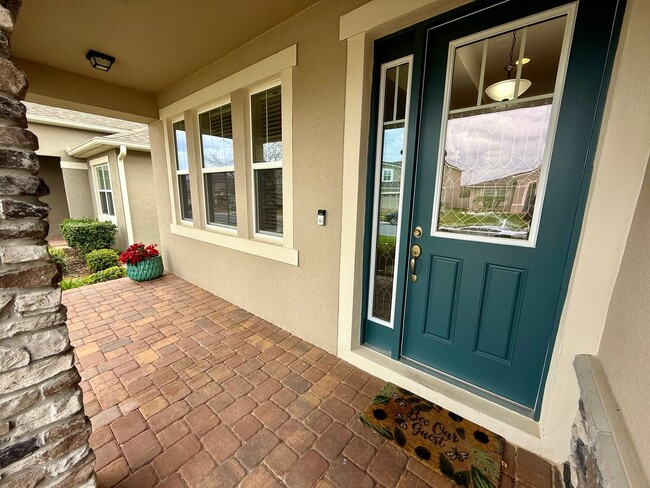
497,144
488,146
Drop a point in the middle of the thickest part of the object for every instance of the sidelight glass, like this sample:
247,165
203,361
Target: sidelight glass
388,192
501,98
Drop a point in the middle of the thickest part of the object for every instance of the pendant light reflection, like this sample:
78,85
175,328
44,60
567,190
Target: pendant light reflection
504,90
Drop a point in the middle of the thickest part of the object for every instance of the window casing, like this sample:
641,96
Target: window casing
105,202
218,166
254,204
182,170
266,134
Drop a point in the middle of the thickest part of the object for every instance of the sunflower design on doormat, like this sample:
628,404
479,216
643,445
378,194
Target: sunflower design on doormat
459,449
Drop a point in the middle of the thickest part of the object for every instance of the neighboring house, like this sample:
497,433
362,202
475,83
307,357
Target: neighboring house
512,194
259,124
452,193
96,166
391,180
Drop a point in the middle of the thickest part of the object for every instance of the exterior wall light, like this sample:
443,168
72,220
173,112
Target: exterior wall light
100,61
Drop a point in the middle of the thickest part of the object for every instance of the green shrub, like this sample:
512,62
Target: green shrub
88,234
101,259
60,259
112,273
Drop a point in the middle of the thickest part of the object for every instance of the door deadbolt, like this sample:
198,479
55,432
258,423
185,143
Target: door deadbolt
417,232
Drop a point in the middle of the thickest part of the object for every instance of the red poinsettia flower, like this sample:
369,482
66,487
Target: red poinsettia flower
138,252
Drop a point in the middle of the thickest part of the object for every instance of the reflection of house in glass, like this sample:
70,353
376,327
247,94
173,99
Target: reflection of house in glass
496,207
510,194
391,179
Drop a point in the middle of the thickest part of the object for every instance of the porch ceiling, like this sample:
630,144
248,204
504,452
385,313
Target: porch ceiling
157,43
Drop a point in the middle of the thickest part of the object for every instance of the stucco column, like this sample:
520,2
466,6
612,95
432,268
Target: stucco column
43,430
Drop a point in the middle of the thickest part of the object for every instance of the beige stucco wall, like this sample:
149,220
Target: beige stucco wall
50,171
303,299
142,197
626,340
121,239
77,192
53,140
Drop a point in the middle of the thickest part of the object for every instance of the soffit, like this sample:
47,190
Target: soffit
157,43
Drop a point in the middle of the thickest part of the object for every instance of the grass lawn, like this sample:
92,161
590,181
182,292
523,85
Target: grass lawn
458,218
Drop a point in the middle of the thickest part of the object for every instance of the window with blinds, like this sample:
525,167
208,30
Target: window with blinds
182,169
218,165
266,117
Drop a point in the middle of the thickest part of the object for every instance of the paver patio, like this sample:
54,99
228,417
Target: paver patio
185,389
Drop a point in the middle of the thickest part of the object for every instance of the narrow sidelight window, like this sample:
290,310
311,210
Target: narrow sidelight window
182,169
391,135
218,166
266,118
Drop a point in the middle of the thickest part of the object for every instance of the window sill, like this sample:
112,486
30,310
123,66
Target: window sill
257,248
107,218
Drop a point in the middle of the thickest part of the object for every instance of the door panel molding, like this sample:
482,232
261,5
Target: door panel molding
501,299
443,289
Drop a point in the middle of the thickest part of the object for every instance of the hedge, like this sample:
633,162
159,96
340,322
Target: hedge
60,259
109,274
101,259
88,234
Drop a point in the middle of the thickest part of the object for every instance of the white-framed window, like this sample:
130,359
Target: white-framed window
101,177
231,142
266,138
182,170
387,175
218,166
104,190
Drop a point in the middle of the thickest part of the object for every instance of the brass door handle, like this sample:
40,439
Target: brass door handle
415,253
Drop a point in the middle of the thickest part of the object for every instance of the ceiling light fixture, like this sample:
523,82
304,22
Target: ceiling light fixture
100,61
502,91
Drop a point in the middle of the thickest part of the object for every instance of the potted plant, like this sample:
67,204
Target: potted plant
143,263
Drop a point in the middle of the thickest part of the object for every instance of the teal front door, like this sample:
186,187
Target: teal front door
508,105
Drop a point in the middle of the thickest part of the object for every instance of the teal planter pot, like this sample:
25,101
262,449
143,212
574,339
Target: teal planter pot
149,269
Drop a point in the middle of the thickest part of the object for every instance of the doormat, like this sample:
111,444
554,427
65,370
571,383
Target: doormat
460,450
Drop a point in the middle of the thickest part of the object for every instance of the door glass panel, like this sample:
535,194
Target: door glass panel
496,143
388,188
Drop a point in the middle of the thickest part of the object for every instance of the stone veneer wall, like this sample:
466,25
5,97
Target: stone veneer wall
598,443
582,469
43,430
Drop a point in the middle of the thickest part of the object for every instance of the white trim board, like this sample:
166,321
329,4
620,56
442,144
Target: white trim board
73,165
271,66
262,249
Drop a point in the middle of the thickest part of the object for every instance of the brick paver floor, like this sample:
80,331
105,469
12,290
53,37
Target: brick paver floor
186,389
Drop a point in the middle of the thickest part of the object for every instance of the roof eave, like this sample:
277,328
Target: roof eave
45,120
98,145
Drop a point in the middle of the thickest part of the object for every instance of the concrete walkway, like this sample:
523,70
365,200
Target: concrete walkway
186,389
